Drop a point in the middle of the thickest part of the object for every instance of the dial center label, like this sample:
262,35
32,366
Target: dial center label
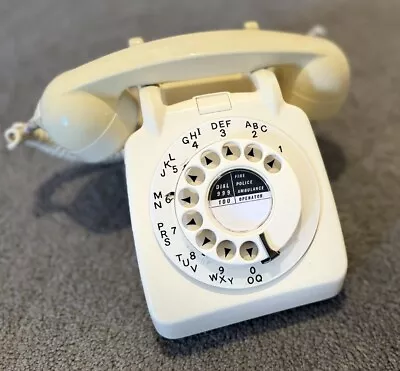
240,200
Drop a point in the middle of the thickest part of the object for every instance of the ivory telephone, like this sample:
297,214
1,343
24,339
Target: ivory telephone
232,212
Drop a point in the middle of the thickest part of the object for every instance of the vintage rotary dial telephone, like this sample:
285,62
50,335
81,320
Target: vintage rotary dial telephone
231,208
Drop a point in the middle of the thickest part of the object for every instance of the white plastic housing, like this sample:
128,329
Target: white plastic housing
180,305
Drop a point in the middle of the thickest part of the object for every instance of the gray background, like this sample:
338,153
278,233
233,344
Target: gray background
70,293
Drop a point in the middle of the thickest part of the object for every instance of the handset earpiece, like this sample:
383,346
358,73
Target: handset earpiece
91,127
319,87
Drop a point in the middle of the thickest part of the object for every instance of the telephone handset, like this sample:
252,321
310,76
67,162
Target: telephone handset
231,207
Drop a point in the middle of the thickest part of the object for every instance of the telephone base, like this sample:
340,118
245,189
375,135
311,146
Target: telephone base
215,194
